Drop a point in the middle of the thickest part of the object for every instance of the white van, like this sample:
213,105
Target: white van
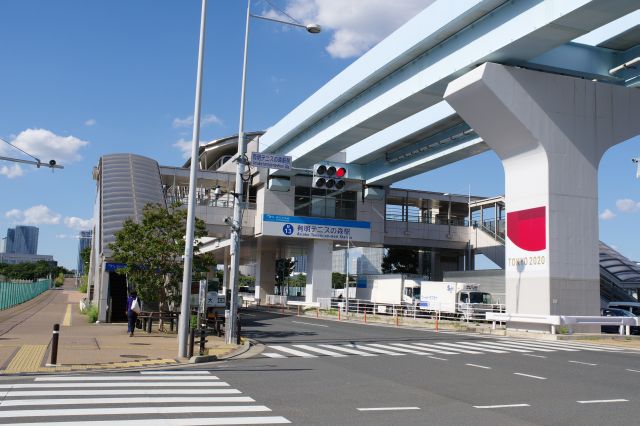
633,307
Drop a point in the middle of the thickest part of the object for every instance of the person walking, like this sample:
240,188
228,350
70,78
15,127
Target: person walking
133,309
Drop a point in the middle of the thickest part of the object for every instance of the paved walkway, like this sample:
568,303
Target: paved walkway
26,330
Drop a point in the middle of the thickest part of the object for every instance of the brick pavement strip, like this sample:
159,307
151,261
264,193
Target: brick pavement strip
26,332
28,359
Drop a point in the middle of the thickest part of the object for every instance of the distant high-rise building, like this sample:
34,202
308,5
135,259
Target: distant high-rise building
22,240
84,241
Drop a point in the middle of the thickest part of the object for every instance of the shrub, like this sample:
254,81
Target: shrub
92,313
59,281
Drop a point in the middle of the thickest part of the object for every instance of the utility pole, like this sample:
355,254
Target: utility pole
637,161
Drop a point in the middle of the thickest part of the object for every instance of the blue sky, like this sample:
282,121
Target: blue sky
80,79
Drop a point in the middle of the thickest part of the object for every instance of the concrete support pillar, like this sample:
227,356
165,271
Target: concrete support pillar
103,293
265,271
319,269
550,132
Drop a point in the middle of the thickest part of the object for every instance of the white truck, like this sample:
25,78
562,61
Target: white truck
460,299
392,289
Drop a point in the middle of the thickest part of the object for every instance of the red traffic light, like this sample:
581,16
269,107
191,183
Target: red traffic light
341,172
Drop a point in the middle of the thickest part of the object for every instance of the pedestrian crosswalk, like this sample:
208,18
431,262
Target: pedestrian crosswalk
478,346
147,398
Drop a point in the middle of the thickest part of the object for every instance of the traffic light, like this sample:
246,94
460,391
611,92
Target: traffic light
329,175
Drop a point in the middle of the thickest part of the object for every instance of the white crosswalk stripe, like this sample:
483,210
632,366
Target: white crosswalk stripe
155,398
320,351
493,345
348,350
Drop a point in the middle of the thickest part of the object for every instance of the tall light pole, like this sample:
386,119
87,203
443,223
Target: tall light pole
185,309
346,286
236,225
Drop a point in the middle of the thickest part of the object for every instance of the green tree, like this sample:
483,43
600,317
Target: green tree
399,260
152,252
284,269
85,256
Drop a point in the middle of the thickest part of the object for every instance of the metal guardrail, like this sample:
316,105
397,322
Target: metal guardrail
463,311
555,321
13,293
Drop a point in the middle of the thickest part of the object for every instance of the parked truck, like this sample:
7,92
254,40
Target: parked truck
392,289
459,299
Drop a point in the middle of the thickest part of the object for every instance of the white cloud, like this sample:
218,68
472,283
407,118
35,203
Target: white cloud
607,215
36,215
90,122
46,145
357,25
11,171
78,223
204,121
627,205
184,146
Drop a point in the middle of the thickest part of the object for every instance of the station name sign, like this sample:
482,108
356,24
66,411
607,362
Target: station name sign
315,228
272,161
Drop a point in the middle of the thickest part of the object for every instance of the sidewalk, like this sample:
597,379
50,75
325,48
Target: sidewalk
26,330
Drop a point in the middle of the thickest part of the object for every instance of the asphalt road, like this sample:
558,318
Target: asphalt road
319,372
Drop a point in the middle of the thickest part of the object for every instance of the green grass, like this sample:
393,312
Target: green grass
91,313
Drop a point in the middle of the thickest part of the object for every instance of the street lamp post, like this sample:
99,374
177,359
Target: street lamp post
185,309
241,160
346,286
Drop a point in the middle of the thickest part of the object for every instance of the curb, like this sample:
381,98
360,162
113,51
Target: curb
199,359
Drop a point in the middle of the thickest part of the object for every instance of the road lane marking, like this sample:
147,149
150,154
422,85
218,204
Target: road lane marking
535,356
376,350
292,351
602,401
124,400
483,347
114,385
67,317
583,363
387,408
190,421
502,406
457,348
122,392
432,348
479,366
507,347
525,346
531,376
103,411
347,350
184,372
116,378
633,371
309,323
435,357
539,346
398,348
412,347
320,351
273,355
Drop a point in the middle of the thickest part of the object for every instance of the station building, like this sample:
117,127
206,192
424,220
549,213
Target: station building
284,216
287,216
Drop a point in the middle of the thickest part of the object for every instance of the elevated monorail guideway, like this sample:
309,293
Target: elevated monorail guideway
516,82
386,109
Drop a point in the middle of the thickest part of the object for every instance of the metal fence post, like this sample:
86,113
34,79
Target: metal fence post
239,324
54,344
192,339
203,340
